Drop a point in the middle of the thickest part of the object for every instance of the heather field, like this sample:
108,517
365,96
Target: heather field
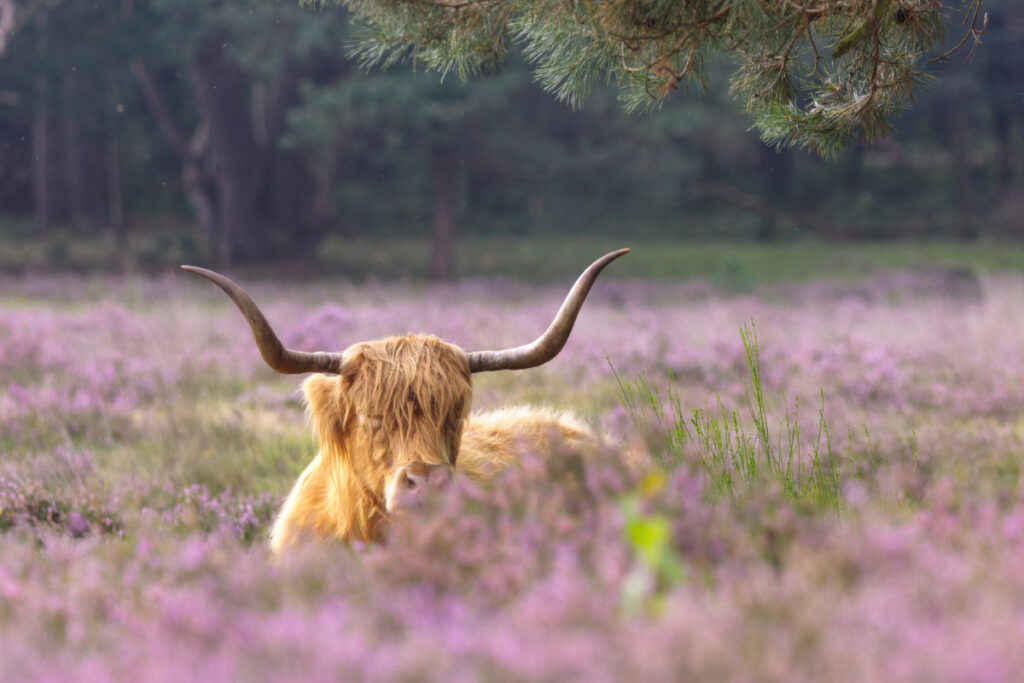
858,517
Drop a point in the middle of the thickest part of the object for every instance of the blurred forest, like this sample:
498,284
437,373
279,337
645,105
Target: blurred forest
239,132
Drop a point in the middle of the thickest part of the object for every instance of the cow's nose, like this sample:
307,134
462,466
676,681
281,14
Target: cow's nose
421,477
416,482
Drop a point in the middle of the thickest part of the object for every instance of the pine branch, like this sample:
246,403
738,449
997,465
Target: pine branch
796,94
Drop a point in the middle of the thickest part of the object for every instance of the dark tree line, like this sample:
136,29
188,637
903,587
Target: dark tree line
120,98
244,123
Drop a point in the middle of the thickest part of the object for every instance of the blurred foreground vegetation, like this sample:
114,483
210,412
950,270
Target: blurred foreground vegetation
145,447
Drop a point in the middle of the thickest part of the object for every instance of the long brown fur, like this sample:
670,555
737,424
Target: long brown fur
498,439
397,401
400,401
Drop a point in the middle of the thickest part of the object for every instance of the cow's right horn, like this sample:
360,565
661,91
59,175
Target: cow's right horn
279,358
546,346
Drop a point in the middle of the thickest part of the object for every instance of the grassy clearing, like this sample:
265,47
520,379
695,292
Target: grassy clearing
731,266
734,266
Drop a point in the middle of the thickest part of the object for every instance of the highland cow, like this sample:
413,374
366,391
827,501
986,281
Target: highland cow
393,419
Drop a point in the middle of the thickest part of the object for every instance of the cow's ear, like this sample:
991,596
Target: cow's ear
327,407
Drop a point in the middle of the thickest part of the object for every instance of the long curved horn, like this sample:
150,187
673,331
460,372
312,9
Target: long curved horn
285,361
546,346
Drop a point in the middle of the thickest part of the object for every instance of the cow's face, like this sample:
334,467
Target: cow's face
407,400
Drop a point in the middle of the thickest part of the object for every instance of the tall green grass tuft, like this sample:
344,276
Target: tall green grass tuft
739,454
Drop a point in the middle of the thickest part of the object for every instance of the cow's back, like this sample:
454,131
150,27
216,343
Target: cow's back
497,439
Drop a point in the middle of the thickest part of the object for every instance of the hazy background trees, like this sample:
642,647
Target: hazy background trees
239,129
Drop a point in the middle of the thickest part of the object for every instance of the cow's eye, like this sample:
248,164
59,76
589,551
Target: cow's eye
373,423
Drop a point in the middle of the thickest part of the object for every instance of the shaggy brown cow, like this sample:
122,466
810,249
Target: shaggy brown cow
392,417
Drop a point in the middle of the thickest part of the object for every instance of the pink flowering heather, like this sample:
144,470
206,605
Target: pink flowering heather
144,448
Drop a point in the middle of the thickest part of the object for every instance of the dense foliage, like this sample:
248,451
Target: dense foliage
242,131
797,91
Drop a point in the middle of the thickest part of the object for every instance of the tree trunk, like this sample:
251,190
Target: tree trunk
287,187
8,16
323,216
775,168
445,184
963,186
710,171
77,179
116,219
1002,132
196,181
222,95
47,192
853,169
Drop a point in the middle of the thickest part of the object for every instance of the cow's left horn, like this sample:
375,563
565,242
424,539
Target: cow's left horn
547,346
279,358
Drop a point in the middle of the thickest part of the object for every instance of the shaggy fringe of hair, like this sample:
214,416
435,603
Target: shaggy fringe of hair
409,382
